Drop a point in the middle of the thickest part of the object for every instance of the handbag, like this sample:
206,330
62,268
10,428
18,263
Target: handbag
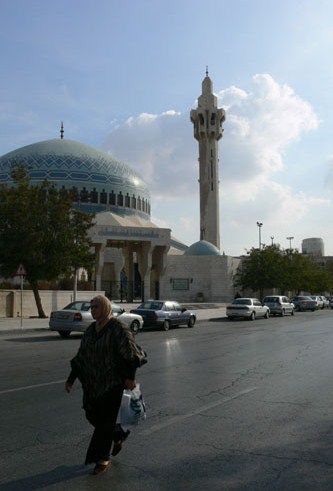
132,408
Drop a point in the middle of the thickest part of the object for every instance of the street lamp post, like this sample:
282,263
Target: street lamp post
259,224
290,239
272,239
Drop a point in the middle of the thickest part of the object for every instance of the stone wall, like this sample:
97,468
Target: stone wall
10,301
209,278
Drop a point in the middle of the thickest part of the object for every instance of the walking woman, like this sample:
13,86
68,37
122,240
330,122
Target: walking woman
105,364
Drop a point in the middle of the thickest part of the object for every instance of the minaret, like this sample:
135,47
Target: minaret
207,120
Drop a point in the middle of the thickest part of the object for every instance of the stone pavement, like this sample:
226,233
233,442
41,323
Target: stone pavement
204,311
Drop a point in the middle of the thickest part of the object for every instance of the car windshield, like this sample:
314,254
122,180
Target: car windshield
83,306
116,309
271,299
242,301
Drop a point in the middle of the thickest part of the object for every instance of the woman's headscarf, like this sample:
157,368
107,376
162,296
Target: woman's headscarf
106,310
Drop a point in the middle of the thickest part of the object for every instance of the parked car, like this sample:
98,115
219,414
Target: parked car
318,300
326,301
165,314
248,308
304,302
279,305
77,317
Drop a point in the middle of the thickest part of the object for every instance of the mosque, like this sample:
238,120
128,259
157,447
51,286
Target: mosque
136,259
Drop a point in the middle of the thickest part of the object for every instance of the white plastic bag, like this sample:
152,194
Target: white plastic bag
132,408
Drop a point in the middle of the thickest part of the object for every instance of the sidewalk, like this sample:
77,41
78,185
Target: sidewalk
202,311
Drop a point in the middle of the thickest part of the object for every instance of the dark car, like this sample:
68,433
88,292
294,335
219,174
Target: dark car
304,302
164,314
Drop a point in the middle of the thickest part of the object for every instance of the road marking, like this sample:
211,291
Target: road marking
18,389
201,409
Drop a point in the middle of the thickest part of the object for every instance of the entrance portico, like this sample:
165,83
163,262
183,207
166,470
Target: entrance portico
119,246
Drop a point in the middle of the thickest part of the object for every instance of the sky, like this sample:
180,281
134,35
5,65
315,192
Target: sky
124,76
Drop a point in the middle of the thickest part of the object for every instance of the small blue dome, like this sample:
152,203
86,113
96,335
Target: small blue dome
202,248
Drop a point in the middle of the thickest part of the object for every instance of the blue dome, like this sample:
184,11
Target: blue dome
100,182
202,248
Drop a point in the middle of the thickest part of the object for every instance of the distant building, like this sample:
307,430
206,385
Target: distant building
313,247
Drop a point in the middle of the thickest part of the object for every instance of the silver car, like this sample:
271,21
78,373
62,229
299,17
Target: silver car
77,317
279,305
248,308
304,302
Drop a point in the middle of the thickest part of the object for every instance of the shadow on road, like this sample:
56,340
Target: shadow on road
45,338
61,474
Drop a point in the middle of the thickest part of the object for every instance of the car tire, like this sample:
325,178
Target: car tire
135,326
293,312
252,316
64,334
191,321
298,309
166,325
266,315
282,313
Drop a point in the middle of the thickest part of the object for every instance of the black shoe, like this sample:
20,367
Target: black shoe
119,438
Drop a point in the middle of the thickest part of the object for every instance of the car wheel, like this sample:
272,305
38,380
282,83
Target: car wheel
298,309
282,313
266,315
191,321
135,326
64,334
293,312
252,316
166,325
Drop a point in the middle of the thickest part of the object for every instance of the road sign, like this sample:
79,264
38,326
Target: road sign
21,271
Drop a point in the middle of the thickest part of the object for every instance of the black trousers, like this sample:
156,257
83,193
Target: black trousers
103,416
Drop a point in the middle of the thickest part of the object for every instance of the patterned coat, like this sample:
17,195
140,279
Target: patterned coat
104,360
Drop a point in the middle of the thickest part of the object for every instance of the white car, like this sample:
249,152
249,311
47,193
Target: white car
77,317
248,308
318,300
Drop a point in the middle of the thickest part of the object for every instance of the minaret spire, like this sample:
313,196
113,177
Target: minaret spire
62,131
207,120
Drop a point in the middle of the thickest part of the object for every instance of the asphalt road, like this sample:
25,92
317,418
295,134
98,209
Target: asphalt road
230,406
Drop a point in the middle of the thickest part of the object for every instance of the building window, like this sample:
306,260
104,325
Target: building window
133,205
120,199
127,201
84,195
103,197
94,196
112,198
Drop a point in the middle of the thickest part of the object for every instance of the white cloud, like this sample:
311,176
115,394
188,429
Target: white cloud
260,125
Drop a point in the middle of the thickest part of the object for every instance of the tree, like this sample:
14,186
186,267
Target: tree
270,267
40,229
261,270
